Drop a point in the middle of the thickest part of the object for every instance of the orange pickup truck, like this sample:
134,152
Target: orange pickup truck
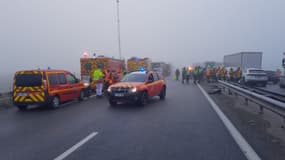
137,87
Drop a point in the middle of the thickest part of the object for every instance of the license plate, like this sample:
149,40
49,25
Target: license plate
22,94
119,94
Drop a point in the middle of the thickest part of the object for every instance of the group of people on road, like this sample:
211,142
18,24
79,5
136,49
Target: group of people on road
221,73
102,79
188,73
210,74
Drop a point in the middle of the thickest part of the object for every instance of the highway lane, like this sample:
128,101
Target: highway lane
274,88
183,126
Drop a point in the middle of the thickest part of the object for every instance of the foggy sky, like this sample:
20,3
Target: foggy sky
41,33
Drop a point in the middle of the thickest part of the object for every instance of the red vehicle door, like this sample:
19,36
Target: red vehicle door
73,86
157,83
150,85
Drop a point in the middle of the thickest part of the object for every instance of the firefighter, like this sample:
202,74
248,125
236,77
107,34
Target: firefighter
238,74
231,73
183,74
213,74
196,75
220,73
98,79
177,74
208,74
224,72
188,73
107,79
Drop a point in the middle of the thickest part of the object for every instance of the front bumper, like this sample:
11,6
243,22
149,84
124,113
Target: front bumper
124,97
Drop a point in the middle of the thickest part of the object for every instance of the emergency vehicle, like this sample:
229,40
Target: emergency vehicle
135,64
116,67
46,87
137,87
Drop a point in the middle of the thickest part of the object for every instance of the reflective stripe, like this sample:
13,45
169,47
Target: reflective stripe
40,98
22,99
28,100
17,98
33,98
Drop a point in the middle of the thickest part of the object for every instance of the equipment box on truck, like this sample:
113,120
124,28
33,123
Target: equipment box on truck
135,64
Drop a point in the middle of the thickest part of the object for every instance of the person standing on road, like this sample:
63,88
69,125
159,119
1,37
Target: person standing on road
98,79
183,74
188,72
196,74
208,74
177,74
231,73
238,74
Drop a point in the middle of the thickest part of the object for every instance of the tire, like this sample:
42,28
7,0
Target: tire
112,103
22,107
143,99
55,102
162,94
81,95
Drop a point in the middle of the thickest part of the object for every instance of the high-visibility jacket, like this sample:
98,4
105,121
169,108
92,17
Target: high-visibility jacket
220,72
208,72
98,75
231,73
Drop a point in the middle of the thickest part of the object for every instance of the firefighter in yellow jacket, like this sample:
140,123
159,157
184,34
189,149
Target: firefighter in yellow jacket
98,78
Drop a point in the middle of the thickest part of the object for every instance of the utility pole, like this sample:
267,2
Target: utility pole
119,28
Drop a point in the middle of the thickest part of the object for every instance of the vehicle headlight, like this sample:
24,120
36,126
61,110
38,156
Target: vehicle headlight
86,84
109,89
133,90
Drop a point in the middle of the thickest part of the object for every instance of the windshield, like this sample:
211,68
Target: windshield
134,78
28,80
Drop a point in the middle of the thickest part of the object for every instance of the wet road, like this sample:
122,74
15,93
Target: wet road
184,126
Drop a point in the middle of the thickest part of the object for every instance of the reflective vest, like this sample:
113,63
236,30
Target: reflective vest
98,75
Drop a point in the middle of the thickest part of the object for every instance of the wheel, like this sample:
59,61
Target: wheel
162,93
143,99
22,107
55,102
112,102
87,92
81,96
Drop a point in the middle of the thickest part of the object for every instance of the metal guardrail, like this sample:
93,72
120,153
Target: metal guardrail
264,102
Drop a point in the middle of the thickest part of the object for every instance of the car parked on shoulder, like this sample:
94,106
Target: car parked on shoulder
254,76
137,87
46,87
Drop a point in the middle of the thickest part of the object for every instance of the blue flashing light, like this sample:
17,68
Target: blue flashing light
142,69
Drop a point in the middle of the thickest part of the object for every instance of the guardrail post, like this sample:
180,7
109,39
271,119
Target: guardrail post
246,101
230,92
261,109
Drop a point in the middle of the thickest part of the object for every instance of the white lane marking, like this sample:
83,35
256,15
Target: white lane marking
242,143
76,146
92,96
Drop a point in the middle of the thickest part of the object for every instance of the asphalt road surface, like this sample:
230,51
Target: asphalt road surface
275,88
184,126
